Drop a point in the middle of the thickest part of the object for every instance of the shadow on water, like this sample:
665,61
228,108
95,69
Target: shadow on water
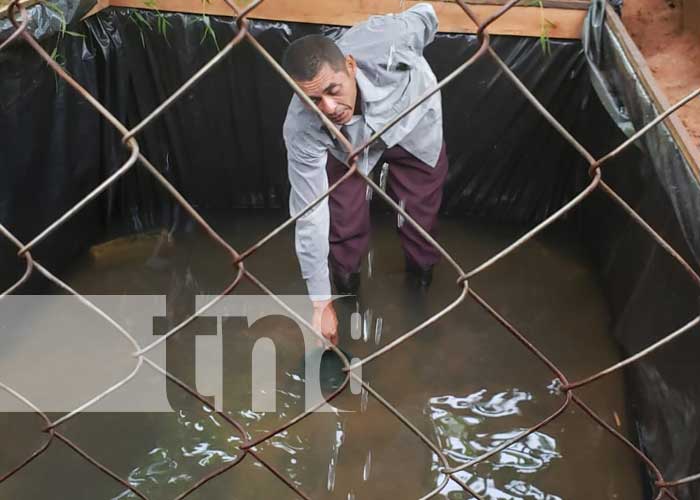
464,381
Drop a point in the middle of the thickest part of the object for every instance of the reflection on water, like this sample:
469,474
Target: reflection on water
513,490
163,467
368,466
458,423
335,452
174,467
463,382
207,442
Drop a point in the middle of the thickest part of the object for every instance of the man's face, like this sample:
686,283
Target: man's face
334,92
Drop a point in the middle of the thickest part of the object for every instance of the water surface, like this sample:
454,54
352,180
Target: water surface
464,382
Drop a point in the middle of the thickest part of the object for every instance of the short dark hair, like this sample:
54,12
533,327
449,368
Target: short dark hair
304,57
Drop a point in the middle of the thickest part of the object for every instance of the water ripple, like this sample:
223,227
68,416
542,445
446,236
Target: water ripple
464,427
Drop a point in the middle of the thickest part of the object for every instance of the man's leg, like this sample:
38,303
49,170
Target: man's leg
419,186
349,226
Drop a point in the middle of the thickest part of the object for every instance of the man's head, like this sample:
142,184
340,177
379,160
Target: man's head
324,74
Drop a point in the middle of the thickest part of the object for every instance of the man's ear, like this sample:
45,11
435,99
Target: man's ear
350,65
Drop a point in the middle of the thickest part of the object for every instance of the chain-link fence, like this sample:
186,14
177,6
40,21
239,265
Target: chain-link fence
566,389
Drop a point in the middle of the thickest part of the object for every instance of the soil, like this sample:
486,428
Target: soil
673,55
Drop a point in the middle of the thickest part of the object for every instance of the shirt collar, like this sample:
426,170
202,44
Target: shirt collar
354,119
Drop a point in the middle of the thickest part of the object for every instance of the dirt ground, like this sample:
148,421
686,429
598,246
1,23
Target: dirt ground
672,55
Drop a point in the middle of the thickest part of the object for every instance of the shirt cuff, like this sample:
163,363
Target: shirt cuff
319,285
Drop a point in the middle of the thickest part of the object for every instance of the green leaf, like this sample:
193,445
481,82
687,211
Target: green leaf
73,33
208,32
546,46
205,21
142,19
163,25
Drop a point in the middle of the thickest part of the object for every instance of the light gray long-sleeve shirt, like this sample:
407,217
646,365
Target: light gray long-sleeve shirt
391,74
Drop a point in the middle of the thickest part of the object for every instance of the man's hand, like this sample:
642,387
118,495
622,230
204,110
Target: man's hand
325,321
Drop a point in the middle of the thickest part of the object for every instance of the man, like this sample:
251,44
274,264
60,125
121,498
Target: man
375,71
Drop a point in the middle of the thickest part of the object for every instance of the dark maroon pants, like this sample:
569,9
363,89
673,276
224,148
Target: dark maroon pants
410,180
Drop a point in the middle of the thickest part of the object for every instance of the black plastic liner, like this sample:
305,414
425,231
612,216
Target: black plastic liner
45,21
220,144
650,294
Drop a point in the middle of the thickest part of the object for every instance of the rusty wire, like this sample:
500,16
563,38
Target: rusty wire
566,388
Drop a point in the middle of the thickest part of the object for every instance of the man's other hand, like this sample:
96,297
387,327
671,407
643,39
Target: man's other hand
325,320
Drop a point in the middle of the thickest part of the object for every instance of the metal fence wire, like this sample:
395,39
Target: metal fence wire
664,488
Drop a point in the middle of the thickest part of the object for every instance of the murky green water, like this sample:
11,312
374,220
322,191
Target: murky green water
464,382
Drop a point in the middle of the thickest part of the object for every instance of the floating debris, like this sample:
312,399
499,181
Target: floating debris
355,325
368,466
356,383
332,465
378,330
383,176
366,324
399,217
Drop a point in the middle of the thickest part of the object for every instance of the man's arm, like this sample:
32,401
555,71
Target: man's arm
308,178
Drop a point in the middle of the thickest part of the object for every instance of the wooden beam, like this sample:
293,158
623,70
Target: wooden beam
519,21
100,5
675,125
554,4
